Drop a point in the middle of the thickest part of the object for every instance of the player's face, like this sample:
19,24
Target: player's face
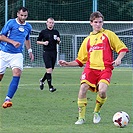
50,24
97,24
22,16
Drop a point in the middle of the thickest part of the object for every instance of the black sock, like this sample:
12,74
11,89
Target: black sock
44,77
49,80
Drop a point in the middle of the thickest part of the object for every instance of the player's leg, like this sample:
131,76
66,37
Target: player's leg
42,81
12,87
49,72
46,59
17,67
3,65
49,64
82,103
100,100
2,69
49,79
14,83
88,82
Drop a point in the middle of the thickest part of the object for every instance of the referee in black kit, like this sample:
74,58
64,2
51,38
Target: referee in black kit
49,38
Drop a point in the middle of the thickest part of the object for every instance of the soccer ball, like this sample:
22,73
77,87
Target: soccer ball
121,119
126,115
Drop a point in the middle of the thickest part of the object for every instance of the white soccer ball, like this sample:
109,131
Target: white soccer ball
121,119
126,115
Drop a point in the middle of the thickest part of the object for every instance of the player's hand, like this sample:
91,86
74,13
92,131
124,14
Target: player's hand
117,62
31,56
16,44
62,63
58,39
46,42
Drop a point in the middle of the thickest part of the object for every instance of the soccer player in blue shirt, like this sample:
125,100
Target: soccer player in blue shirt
13,36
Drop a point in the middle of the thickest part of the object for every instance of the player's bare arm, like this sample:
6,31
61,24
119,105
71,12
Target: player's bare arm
28,46
117,62
65,63
42,42
5,39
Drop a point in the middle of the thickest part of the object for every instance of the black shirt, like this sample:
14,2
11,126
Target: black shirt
50,36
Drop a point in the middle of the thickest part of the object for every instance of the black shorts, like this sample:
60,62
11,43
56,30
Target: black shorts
49,58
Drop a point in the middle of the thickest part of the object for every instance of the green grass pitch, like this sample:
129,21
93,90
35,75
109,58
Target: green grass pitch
39,111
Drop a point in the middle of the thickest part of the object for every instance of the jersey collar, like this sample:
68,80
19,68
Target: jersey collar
97,32
20,23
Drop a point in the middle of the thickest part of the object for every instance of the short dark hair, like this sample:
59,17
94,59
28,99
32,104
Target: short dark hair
24,9
96,14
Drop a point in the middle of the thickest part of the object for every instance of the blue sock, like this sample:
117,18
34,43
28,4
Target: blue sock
13,86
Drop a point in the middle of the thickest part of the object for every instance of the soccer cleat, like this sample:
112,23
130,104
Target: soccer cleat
52,89
96,118
41,84
7,104
80,121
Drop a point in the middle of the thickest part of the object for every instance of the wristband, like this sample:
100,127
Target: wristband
29,50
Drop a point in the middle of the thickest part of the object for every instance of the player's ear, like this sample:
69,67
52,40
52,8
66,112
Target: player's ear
91,23
17,14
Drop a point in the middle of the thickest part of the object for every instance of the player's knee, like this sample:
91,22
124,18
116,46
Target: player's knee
102,94
83,89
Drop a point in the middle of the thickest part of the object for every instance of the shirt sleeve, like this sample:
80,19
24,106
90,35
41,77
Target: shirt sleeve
6,29
58,34
116,44
82,54
40,37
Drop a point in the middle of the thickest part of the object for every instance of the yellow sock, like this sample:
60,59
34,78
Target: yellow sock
82,107
99,102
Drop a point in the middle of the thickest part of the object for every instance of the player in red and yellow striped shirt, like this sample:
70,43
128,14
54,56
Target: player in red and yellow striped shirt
96,52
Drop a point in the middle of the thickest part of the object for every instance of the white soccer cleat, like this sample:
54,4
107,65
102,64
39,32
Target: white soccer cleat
80,121
96,118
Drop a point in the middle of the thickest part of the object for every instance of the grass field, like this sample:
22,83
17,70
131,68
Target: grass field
39,111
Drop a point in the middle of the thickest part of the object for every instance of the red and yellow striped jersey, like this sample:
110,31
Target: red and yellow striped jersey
96,50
